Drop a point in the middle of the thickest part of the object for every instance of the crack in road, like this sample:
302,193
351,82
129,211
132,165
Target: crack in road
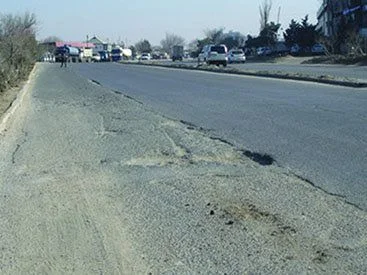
14,153
95,82
13,156
327,192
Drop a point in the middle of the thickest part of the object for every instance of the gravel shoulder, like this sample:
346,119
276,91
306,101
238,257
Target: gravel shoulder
94,182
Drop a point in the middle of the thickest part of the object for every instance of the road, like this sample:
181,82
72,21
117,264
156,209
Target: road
94,182
317,131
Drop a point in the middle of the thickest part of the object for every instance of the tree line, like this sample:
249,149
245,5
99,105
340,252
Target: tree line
303,33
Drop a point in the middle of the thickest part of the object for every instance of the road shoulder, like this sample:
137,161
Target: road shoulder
12,98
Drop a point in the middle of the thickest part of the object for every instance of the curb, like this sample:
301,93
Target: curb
17,102
322,79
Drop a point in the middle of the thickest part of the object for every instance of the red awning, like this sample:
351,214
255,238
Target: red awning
75,44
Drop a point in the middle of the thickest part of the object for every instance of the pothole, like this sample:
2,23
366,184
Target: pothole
262,159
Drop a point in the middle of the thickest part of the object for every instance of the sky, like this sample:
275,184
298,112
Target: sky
131,21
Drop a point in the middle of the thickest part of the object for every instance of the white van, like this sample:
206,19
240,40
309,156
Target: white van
214,54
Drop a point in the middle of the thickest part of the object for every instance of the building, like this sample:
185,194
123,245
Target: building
333,13
100,45
324,19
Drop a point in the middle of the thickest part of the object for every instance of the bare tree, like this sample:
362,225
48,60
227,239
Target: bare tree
18,47
214,35
171,40
265,9
143,46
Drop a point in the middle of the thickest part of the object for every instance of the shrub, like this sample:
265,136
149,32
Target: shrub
18,48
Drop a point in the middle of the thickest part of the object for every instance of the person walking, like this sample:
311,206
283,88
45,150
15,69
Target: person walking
64,57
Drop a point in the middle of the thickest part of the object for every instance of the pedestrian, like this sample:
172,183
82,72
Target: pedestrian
64,57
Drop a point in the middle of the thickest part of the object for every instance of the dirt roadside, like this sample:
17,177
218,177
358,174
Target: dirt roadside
8,97
93,182
11,98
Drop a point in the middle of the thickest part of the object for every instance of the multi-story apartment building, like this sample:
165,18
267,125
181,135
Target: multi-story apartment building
333,12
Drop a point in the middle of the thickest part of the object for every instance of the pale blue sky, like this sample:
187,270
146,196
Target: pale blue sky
136,19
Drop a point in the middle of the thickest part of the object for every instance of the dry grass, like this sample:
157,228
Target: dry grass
339,59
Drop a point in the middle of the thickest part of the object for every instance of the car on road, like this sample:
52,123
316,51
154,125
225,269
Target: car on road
96,57
236,56
214,54
264,51
145,56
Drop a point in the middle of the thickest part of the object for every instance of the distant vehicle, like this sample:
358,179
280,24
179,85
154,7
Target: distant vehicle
156,55
86,55
159,55
127,53
47,57
71,52
295,49
214,54
318,49
236,56
177,53
145,56
264,51
281,49
96,57
117,54
164,55
105,56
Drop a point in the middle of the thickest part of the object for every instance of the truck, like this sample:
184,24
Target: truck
177,53
72,53
86,55
119,53
105,56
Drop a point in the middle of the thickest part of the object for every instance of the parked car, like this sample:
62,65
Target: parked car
264,51
295,49
156,55
281,49
47,57
236,56
96,57
214,54
145,56
318,49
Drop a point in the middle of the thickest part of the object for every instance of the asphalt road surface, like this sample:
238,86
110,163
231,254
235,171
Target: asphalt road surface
94,182
318,132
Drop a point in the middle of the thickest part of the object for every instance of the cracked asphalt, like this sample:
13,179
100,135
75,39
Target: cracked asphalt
94,182
316,131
